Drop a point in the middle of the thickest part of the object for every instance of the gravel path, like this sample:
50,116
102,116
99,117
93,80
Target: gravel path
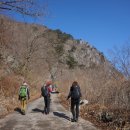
58,119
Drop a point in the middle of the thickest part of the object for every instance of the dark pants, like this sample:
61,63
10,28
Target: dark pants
47,104
75,108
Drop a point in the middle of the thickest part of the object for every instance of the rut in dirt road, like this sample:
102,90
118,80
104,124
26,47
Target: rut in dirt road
58,119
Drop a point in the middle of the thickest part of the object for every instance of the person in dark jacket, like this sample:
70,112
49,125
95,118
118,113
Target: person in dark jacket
47,90
75,95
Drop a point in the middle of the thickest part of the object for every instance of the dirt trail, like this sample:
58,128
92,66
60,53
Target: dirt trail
58,119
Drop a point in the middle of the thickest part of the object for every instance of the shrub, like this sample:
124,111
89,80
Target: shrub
1,58
71,62
73,49
59,49
63,36
35,28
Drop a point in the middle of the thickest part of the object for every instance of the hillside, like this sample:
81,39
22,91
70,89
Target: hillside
35,53
28,49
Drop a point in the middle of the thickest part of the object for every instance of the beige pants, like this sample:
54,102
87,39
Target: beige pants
23,105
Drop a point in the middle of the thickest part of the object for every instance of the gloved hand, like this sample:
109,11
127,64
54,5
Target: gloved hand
18,97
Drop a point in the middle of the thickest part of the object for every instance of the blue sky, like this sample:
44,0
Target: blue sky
102,23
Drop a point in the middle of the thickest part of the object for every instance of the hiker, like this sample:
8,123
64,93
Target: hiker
24,96
54,87
75,95
45,92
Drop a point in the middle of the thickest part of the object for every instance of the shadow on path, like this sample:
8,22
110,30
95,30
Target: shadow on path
37,110
55,92
18,110
61,115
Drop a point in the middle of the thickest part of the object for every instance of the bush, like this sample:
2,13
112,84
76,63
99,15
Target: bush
59,49
73,49
71,62
1,58
35,28
63,36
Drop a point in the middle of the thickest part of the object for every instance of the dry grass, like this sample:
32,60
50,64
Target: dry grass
104,93
9,87
92,113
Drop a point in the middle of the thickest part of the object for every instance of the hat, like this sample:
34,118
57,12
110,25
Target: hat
48,82
25,84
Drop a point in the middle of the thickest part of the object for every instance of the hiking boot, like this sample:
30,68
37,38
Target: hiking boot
76,120
23,112
45,111
72,120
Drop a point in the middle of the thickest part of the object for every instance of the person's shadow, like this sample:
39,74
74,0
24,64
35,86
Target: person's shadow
18,110
37,110
55,92
61,115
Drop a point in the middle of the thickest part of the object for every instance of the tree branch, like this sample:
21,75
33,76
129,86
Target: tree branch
26,7
5,8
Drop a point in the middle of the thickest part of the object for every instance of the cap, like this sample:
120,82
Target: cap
25,84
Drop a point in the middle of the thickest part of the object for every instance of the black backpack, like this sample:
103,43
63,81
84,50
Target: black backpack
44,91
75,92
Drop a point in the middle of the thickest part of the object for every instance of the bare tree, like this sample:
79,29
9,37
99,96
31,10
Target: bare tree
33,8
120,58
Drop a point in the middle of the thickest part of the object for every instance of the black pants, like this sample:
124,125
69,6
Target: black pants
75,108
47,104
